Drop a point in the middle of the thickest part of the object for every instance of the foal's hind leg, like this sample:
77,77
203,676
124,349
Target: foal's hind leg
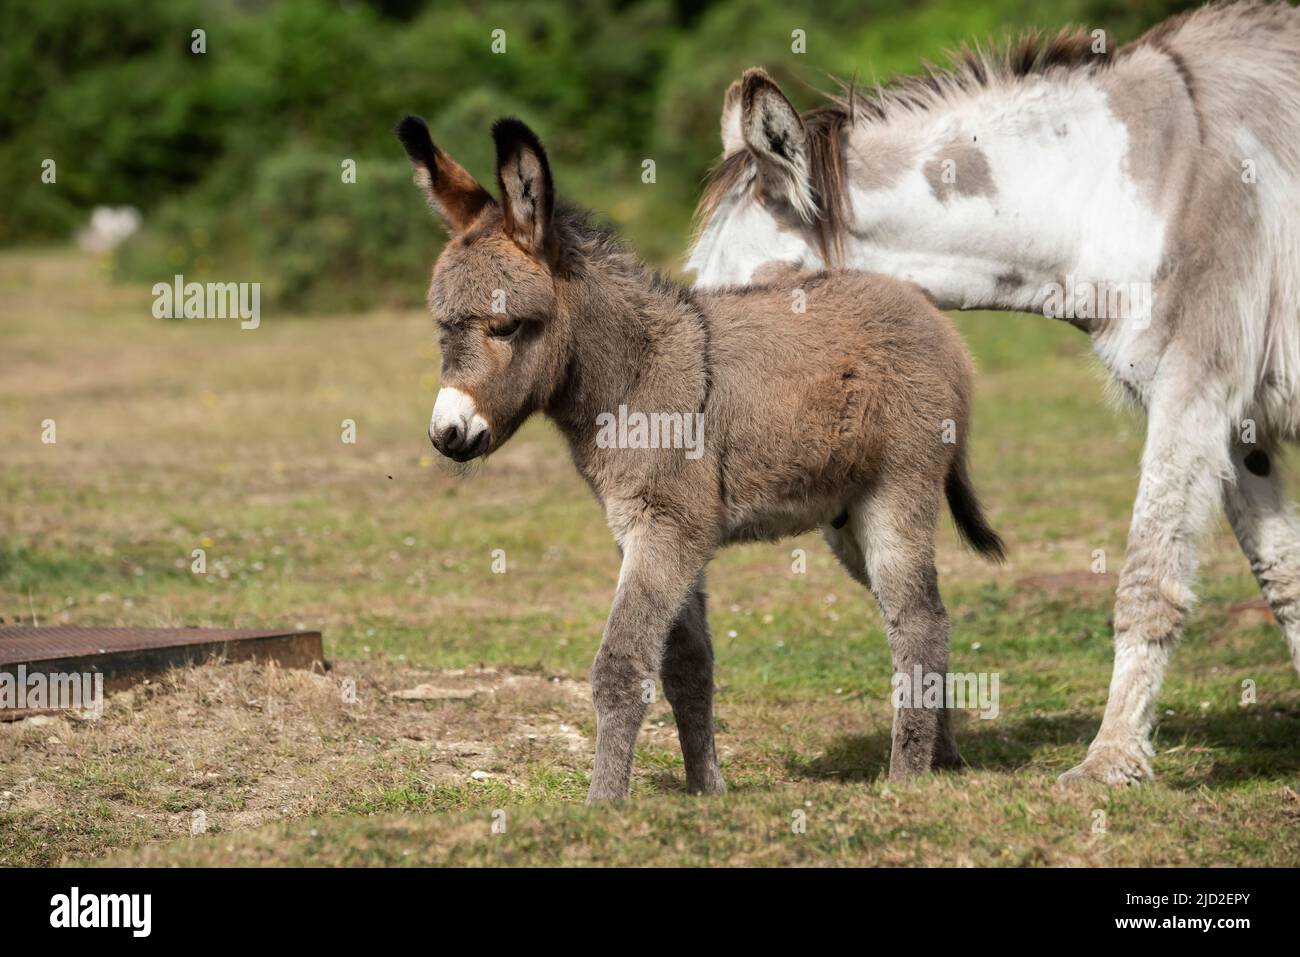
843,541
687,676
894,533
1269,535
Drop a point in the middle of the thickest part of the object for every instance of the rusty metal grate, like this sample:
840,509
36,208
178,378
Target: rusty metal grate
125,656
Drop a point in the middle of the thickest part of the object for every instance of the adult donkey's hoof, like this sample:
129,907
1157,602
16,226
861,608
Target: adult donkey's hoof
1111,765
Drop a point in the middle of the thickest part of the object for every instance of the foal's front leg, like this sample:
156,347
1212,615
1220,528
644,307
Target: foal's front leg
658,572
688,686
1183,464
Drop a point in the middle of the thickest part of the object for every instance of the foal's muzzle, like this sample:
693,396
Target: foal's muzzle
457,442
456,429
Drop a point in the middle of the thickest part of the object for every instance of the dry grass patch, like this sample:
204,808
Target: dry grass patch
245,744
174,435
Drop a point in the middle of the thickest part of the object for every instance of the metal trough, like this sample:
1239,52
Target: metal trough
126,656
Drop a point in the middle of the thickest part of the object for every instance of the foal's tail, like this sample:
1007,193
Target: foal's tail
968,515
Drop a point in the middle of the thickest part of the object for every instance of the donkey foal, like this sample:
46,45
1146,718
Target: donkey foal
851,417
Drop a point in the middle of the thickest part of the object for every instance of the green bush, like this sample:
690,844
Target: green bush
234,155
314,242
326,244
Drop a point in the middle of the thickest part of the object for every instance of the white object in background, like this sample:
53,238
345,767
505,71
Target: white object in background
109,227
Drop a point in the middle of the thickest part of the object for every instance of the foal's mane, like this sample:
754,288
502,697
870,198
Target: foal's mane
970,68
588,239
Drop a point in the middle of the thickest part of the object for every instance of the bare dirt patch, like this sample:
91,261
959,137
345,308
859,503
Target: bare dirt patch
231,747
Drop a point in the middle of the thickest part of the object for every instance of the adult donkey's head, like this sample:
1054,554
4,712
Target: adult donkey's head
502,338
777,193
988,183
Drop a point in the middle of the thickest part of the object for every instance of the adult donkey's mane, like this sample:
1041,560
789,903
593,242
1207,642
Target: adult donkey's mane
826,166
970,68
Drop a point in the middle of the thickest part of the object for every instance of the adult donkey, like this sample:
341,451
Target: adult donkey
1149,195
854,420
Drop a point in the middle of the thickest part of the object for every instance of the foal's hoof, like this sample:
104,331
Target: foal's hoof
947,757
710,786
1111,765
608,795
951,763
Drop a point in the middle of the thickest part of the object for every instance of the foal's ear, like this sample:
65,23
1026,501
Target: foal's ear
527,190
773,132
454,194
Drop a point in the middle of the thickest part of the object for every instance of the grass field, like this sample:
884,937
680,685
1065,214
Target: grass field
174,436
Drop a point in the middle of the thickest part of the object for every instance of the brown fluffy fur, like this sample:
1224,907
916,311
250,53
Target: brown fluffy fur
851,416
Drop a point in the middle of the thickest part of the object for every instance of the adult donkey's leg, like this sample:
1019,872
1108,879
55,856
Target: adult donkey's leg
1183,464
688,684
656,580
1269,534
896,536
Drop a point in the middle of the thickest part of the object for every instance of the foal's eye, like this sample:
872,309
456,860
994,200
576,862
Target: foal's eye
502,327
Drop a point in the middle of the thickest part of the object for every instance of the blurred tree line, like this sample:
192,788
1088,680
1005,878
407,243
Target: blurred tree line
236,155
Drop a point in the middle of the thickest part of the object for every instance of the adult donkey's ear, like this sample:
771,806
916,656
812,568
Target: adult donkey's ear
527,190
773,132
732,139
452,192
